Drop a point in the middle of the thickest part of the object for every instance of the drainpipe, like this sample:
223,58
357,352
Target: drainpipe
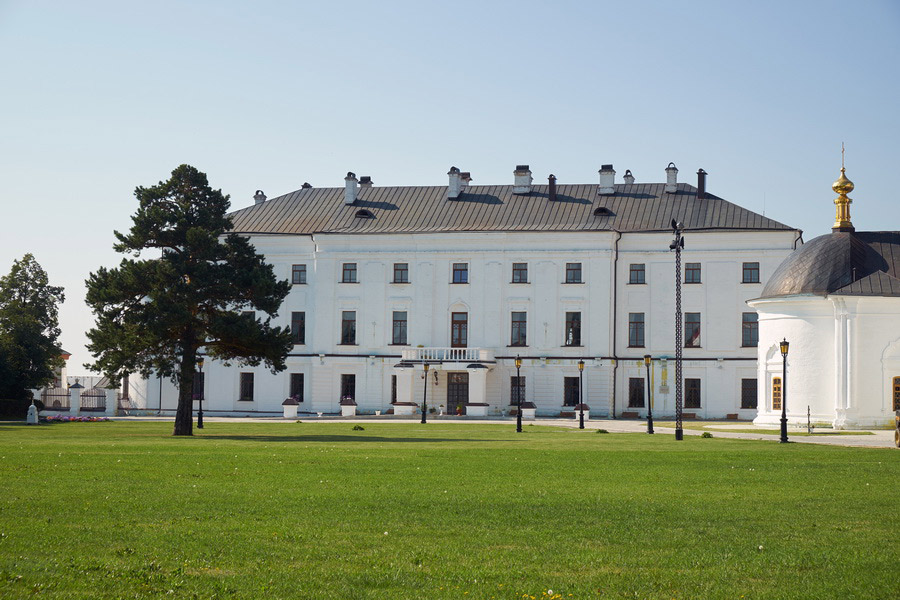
615,319
799,238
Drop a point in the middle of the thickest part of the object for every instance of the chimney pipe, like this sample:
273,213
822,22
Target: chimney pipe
671,178
607,181
306,185
701,184
455,187
365,181
464,179
629,178
259,197
350,189
522,180
551,183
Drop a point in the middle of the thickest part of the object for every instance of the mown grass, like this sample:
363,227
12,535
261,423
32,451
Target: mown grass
317,510
730,427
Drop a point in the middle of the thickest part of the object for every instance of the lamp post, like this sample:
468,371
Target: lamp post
676,245
425,395
201,394
784,352
518,395
649,396
581,393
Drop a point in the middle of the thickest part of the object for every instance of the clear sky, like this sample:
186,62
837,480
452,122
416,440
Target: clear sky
100,97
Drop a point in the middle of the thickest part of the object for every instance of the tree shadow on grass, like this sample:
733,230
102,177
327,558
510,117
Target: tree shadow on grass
339,438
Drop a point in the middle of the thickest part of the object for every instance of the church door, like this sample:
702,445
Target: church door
457,391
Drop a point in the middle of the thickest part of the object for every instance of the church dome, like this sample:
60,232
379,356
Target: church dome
865,263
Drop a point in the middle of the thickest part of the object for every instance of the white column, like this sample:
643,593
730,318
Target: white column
405,384
477,385
75,399
112,402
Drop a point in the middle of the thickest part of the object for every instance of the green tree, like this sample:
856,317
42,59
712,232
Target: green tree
155,315
29,329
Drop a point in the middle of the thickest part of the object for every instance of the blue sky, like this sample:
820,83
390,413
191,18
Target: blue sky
100,97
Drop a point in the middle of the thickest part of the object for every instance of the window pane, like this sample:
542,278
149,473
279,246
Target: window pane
692,272
691,330
636,392
776,393
460,272
401,273
636,330
348,327
517,390
692,393
246,392
750,272
399,329
298,327
573,329
573,272
636,273
748,393
520,273
298,274
749,330
348,387
297,386
570,391
518,329
349,273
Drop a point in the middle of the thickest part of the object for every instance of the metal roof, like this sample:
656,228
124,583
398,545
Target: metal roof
863,263
426,209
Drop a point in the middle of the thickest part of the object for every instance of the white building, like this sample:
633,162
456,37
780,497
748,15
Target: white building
467,277
836,300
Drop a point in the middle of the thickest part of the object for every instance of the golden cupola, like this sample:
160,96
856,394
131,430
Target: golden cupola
842,187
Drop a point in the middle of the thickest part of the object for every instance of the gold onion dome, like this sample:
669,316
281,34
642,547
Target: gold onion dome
842,185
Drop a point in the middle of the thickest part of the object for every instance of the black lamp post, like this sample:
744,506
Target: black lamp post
581,394
649,396
201,394
518,395
784,352
676,245
425,394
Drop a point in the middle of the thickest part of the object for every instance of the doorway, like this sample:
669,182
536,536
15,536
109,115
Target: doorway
457,392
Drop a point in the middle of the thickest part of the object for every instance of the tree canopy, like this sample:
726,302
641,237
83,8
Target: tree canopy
29,329
154,315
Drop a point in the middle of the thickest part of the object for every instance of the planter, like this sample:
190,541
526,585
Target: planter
348,410
476,410
587,412
404,409
290,408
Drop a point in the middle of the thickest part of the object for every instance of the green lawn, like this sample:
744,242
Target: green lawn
317,510
729,427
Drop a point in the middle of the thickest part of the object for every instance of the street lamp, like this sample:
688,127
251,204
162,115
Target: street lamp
518,395
784,352
581,393
425,394
649,396
202,392
676,245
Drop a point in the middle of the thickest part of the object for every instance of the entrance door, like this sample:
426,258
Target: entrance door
457,391
459,330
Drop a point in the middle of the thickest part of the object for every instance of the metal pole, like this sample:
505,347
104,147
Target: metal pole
202,393
677,245
581,395
518,396
649,397
425,395
784,436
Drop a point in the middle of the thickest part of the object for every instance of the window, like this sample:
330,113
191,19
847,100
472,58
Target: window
348,327
692,272
692,393
635,392
636,273
298,327
691,330
349,273
896,393
573,329
570,391
393,389
519,325
246,387
199,385
573,272
298,274
459,330
749,330
460,272
401,272
348,387
748,393
516,390
520,273
751,273
635,330
399,330
776,393
297,386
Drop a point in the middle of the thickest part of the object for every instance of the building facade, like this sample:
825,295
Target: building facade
467,278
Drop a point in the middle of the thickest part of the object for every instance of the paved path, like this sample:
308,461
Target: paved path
879,438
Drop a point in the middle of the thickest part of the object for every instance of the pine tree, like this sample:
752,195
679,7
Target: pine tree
155,315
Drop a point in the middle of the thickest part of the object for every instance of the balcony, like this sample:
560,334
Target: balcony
441,355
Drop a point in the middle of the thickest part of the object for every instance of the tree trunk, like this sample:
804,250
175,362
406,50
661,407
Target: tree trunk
184,422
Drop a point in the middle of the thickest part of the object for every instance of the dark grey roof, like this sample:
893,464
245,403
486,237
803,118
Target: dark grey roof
864,263
634,207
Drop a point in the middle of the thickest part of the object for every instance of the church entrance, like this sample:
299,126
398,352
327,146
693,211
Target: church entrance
457,392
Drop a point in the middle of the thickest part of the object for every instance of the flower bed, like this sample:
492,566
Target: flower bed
68,419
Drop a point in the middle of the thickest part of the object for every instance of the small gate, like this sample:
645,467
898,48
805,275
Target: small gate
93,400
55,398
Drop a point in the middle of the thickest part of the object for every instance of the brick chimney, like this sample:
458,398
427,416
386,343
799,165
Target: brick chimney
671,178
607,180
455,186
350,189
522,180
365,181
551,188
465,178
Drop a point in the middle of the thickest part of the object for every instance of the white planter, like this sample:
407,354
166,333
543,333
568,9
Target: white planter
528,414
474,410
290,411
587,415
348,411
404,410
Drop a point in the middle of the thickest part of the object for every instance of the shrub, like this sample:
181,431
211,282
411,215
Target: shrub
706,434
358,428
602,431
